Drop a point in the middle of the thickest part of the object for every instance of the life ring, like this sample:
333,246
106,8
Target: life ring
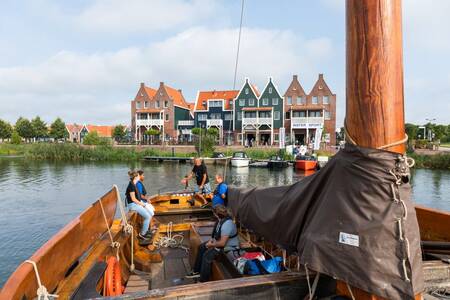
113,278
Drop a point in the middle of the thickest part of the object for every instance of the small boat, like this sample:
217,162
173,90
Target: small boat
240,159
306,163
276,162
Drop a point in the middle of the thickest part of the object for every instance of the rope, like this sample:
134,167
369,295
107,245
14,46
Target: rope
114,244
127,228
238,47
170,241
350,290
42,293
352,141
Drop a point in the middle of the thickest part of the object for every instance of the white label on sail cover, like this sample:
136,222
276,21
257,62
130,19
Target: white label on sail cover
349,239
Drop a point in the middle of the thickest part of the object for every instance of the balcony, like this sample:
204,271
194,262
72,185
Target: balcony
257,121
214,122
306,122
150,122
186,123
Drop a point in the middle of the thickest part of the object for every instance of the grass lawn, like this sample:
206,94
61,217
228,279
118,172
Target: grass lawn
445,145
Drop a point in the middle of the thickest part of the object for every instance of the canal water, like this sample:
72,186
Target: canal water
39,198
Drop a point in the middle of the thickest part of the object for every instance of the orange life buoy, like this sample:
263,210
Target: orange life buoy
113,278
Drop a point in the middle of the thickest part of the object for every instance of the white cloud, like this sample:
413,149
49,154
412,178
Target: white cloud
131,16
98,87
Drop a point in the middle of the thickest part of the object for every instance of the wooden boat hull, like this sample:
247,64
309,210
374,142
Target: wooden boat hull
62,251
305,165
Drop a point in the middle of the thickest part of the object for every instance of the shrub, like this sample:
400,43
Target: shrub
15,138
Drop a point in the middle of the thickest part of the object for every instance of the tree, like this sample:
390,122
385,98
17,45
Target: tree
5,130
15,138
152,133
119,133
24,128
40,129
58,129
205,140
412,131
92,138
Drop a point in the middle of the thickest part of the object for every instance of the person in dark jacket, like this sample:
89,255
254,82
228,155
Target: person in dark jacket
224,238
134,203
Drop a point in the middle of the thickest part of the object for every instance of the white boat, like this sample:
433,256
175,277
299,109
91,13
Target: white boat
240,159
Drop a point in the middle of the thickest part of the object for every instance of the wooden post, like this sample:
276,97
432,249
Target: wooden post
375,112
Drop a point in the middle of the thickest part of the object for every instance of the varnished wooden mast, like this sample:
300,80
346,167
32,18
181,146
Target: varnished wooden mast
375,111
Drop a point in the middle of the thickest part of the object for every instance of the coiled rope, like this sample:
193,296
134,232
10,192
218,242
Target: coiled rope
42,293
170,241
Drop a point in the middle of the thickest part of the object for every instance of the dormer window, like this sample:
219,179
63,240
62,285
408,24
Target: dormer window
246,91
270,90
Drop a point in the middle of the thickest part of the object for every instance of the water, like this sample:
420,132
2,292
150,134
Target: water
38,198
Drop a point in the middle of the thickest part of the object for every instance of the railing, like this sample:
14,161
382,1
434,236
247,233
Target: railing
256,121
214,122
186,123
150,122
306,122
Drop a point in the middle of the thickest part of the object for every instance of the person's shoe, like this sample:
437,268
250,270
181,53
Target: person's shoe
192,274
206,205
143,237
191,201
149,234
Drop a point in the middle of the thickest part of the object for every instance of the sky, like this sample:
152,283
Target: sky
83,60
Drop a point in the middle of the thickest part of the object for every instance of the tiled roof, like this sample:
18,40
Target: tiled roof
176,96
255,89
204,96
150,92
103,131
74,127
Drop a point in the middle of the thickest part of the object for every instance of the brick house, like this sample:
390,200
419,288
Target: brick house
164,109
74,131
215,109
310,118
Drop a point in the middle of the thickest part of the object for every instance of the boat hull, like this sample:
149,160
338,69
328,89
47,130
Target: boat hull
239,163
305,165
277,164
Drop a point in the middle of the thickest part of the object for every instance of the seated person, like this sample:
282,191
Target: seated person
201,176
134,203
224,238
220,193
143,192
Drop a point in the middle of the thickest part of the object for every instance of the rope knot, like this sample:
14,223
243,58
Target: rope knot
115,245
128,228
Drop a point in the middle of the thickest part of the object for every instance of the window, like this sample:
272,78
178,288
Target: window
215,116
289,100
215,103
288,115
265,101
239,115
300,100
264,114
270,90
315,113
202,117
231,103
251,102
241,102
228,117
166,103
274,101
145,104
276,137
315,100
167,117
327,115
276,115
138,105
204,103
299,114
157,104
246,91
326,100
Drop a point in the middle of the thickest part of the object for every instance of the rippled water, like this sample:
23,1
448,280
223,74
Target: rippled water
39,198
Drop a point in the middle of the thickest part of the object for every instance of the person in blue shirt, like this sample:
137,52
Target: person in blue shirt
143,195
220,193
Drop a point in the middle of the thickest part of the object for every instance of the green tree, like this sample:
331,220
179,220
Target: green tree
24,128
412,131
5,130
58,129
15,138
40,129
92,138
152,133
205,140
119,133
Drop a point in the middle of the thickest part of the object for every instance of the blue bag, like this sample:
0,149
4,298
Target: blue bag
257,267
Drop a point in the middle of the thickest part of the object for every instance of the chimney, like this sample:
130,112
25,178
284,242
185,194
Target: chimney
161,83
295,77
270,78
246,80
179,91
320,76
142,85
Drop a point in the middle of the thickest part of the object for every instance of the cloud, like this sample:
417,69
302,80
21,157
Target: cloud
135,16
98,87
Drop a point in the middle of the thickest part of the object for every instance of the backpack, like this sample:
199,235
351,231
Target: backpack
257,267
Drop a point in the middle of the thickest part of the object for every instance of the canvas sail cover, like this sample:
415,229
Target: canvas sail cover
353,220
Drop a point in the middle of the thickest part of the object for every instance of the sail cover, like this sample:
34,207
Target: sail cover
353,220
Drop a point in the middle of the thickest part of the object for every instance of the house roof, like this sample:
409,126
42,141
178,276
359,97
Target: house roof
257,108
204,96
74,127
103,131
150,92
255,90
176,96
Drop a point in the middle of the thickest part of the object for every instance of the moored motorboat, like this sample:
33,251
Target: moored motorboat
240,159
306,163
276,162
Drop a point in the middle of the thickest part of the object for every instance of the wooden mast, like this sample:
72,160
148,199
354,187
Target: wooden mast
375,112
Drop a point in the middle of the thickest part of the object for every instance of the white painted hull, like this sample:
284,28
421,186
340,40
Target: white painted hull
240,162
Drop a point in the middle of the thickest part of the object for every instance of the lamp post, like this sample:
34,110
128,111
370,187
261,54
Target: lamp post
429,131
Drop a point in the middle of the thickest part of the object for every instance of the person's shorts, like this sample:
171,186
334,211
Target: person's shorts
206,189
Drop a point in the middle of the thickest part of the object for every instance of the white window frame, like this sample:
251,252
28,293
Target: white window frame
202,117
215,116
270,90
157,104
289,100
265,101
215,103
246,91
251,102
328,100
274,101
299,100
315,100
241,102
276,115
